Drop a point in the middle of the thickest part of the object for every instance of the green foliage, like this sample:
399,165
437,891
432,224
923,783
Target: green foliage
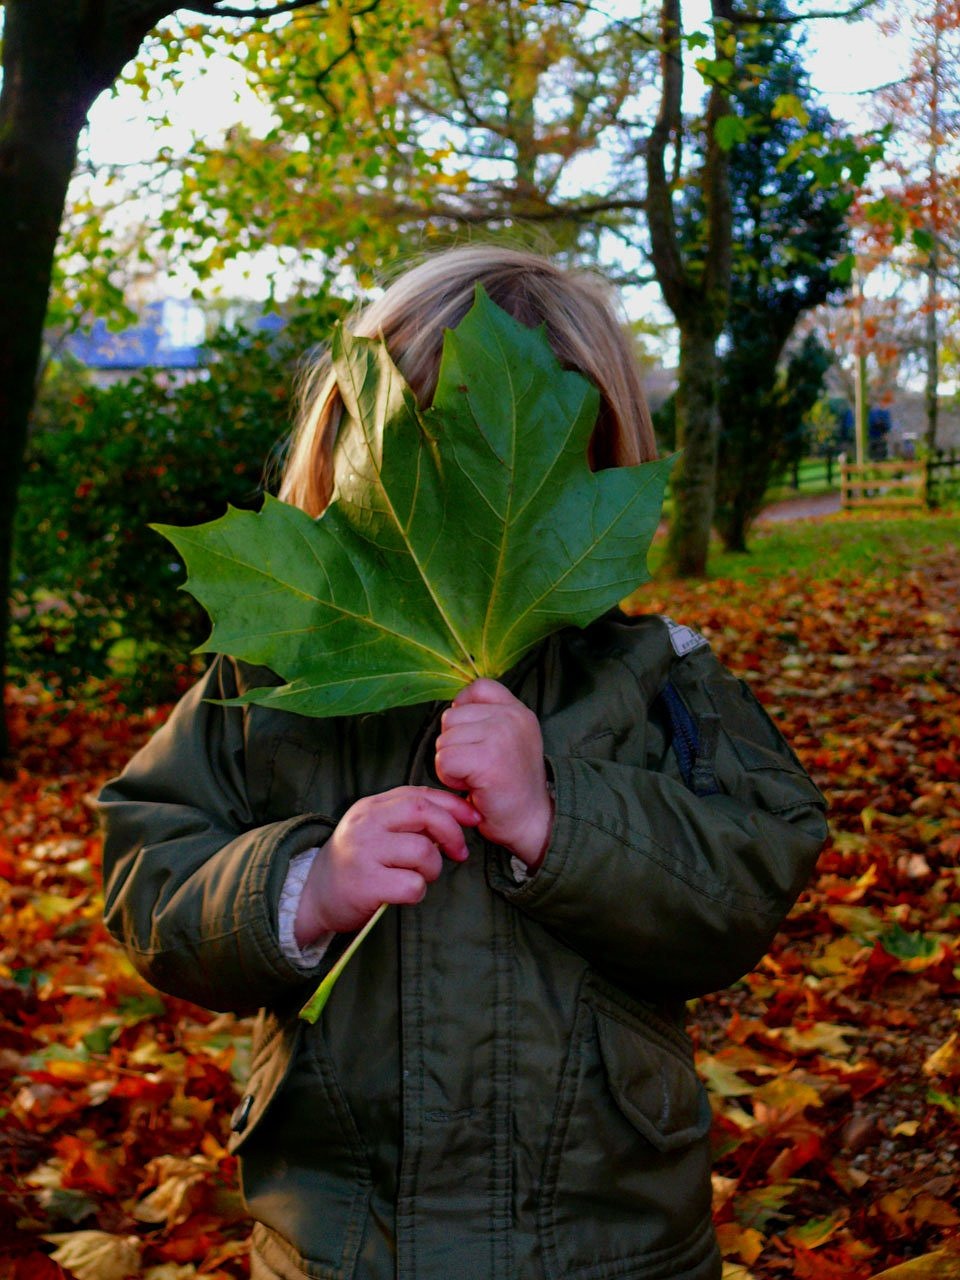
791,241
395,126
729,130
94,591
456,538
764,427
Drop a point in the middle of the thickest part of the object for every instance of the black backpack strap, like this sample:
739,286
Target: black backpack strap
694,742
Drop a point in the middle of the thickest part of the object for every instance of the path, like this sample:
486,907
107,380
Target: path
801,508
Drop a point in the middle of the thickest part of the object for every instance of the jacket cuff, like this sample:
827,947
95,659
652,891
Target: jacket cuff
273,854
509,875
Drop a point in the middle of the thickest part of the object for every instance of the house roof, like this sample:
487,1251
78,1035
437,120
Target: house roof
148,344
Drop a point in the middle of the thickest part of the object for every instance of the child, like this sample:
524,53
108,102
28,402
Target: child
500,1087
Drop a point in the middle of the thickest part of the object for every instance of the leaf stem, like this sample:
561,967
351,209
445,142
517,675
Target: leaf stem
314,1007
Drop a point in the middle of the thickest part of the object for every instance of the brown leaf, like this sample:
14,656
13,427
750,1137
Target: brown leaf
179,1190
939,1265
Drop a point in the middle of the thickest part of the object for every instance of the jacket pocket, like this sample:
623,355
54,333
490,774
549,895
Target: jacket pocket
304,1171
626,1186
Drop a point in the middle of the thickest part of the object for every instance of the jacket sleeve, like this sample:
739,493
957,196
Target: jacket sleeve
670,893
191,882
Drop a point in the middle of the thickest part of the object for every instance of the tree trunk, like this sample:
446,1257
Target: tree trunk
935,141
932,349
692,484
696,293
57,58
734,531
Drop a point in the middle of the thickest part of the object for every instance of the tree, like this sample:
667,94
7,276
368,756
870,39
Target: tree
395,116
417,123
58,57
696,291
924,198
789,227
510,96
754,136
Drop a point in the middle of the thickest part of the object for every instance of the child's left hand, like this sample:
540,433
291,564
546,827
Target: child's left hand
490,746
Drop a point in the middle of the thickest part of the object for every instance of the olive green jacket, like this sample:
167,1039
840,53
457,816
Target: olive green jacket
500,1087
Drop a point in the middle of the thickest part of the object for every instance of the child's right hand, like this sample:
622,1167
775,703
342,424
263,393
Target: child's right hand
385,848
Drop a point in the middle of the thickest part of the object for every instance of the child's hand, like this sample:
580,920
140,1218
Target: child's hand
385,848
491,746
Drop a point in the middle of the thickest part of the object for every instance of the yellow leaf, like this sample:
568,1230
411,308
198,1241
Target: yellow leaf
942,1264
721,1079
723,1189
907,1129
96,1255
828,1036
858,920
838,956
53,906
746,1242
787,1094
908,1208
945,1061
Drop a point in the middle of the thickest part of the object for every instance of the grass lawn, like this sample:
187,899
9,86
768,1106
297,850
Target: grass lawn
855,544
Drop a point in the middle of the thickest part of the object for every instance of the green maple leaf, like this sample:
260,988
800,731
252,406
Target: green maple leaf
456,538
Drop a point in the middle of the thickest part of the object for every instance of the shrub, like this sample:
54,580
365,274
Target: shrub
96,592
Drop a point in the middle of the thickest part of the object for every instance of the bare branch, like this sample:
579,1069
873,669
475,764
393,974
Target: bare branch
213,9
446,52
787,19
467,215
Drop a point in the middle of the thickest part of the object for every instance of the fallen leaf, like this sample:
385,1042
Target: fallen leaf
96,1255
746,1242
180,1185
810,1235
945,1061
939,1265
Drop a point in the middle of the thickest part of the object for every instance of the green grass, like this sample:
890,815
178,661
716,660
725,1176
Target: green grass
812,481
837,545
812,478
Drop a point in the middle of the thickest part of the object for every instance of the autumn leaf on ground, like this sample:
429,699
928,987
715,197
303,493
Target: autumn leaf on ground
96,1255
456,538
84,1111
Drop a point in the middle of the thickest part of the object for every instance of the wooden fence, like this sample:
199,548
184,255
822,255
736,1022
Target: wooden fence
943,476
883,484
813,473
931,482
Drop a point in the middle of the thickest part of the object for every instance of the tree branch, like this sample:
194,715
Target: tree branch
664,249
716,193
213,9
786,19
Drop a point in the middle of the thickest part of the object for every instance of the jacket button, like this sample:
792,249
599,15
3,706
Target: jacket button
238,1121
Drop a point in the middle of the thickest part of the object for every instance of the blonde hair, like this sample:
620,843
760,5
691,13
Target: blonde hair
580,314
